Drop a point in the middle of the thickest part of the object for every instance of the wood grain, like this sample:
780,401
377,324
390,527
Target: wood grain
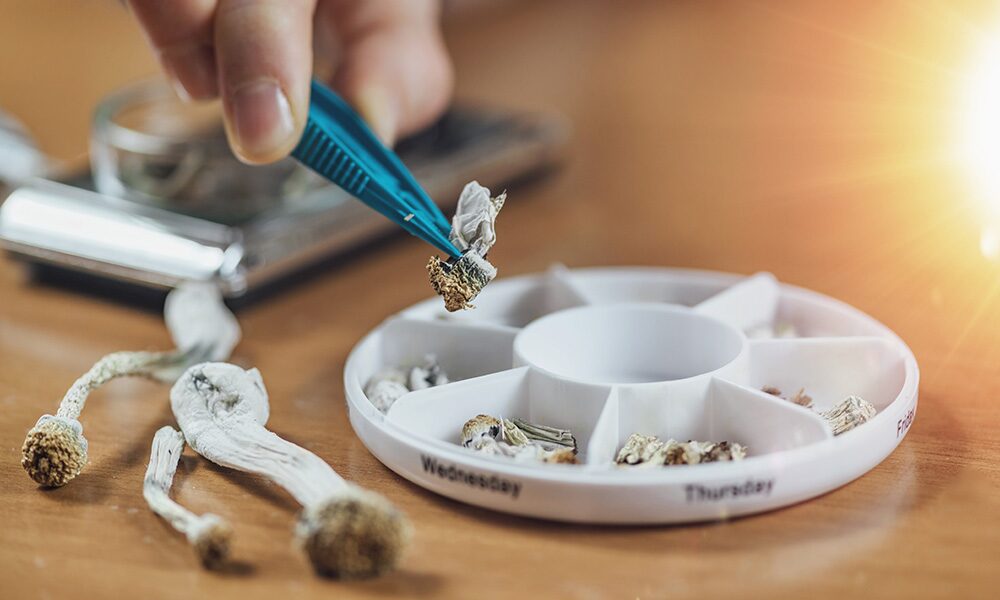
810,139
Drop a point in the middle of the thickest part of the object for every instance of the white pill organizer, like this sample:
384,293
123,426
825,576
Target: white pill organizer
609,352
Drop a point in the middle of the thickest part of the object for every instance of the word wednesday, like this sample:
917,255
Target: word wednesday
698,493
490,483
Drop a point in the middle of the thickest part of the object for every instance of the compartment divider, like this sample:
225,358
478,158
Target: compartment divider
561,292
762,422
603,445
749,303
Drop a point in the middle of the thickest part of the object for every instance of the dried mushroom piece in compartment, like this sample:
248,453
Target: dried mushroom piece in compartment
520,414
670,425
651,451
519,439
412,355
845,416
845,380
388,384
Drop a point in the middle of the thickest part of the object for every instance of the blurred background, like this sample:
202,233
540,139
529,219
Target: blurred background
776,126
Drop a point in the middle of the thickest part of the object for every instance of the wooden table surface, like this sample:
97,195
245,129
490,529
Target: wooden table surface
810,139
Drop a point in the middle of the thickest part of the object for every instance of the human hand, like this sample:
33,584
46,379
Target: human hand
389,62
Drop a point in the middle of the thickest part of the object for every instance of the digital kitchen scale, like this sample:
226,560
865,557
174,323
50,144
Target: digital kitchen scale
167,202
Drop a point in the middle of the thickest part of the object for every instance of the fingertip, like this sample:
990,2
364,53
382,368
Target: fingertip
263,53
259,122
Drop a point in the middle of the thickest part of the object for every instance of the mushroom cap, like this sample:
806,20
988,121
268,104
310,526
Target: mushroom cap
383,394
207,391
480,427
357,534
54,451
211,541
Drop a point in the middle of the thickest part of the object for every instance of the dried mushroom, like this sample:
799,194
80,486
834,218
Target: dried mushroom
520,440
649,450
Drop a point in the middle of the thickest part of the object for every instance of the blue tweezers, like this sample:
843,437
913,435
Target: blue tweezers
338,145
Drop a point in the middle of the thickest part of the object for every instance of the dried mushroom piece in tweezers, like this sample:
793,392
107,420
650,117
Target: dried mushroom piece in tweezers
473,232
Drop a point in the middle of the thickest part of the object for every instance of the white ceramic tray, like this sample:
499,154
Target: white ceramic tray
610,352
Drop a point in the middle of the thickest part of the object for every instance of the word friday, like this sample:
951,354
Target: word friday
903,424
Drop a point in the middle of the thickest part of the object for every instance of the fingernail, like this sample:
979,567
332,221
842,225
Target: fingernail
378,110
192,73
262,122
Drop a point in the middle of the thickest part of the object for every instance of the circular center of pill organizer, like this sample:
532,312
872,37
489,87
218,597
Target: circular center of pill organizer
627,344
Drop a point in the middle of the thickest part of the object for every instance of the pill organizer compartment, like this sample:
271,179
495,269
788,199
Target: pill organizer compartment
438,414
829,369
462,352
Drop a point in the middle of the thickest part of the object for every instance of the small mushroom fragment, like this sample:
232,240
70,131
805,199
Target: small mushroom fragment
517,439
55,450
427,375
383,389
346,531
639,449
649,450
800,397
208,534
851,412
480,430
389,384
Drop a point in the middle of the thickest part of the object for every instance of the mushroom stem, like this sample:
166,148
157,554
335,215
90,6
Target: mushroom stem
55,450
346,531
202,328
112,366
208,533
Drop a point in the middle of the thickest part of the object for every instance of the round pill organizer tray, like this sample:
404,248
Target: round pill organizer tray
610,352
